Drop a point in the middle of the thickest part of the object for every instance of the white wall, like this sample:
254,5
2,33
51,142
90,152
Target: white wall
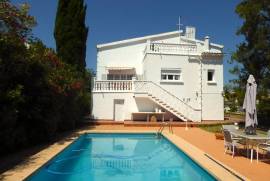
190,70
131,55
213,101
127,55
104,106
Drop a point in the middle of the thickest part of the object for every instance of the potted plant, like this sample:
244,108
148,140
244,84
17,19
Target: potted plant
219,135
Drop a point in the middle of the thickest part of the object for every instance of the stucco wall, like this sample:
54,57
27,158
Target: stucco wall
190,69
104,103
131,54
212,99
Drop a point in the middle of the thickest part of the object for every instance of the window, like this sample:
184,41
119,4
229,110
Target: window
120,76
210,75
170,74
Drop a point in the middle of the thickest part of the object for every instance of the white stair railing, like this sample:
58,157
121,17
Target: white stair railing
182,109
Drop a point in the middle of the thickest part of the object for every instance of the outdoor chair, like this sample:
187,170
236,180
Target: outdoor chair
231,127
229,142
265,147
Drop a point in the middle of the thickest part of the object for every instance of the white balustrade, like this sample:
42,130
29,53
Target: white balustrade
171,48
112,85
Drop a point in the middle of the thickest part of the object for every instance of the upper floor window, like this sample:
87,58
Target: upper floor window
170,74
210,76
120,76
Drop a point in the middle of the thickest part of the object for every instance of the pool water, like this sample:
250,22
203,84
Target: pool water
121,157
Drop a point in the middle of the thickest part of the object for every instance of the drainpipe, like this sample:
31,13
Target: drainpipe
201,87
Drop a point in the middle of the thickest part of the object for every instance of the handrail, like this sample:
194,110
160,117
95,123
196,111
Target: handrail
113,81
169,47
170,94
175,44
113,85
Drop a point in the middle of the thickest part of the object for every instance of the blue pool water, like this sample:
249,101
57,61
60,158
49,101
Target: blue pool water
121,157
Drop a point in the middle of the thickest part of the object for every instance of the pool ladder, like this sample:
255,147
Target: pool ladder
161,128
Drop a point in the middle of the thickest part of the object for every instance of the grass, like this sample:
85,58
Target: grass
212,128
218,127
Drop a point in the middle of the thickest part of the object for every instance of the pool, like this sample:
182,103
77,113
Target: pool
121,157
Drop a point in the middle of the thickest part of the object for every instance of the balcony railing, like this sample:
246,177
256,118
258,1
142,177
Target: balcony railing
170,48
113,86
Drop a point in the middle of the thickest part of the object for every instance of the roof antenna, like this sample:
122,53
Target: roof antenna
179,28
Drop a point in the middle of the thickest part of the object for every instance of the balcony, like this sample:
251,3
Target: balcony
113,86
166,48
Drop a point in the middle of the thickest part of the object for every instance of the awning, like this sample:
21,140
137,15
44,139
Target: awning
121,70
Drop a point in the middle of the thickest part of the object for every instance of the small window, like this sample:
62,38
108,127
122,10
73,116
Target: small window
170,74
210,76
170,77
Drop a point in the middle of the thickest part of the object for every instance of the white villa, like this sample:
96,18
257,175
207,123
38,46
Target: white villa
169,75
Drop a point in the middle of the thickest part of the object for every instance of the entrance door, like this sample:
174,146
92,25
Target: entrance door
119,114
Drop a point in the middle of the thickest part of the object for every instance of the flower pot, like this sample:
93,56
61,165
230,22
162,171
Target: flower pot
219,136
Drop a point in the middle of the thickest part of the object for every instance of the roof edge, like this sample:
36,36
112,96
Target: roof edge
136,39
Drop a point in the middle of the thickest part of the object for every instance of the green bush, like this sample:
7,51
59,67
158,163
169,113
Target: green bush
39,94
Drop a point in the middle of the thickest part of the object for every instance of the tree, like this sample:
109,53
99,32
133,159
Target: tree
15,20
71,32
253,54
40,95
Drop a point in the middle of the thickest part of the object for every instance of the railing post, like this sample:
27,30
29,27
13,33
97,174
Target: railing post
148,43
133,84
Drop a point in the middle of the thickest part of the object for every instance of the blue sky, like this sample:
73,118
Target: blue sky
111,20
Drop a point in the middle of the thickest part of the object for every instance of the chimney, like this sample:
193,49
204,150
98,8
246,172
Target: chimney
190,32
207,43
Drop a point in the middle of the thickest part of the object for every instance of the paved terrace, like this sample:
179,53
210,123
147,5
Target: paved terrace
20,165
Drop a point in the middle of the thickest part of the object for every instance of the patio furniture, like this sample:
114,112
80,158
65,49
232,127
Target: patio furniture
263,146
229,128
250,140
148,114
229,143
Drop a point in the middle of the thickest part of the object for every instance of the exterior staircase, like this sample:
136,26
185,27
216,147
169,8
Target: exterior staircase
166,100
153,91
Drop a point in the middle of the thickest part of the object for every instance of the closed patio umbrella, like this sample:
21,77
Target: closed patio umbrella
250,106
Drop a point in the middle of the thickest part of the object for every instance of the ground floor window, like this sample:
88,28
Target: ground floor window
170,74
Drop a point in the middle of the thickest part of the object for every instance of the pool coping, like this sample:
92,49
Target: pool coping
216,168
219,170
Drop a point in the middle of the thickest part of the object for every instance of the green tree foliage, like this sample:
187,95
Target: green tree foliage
14,20
253,54
71,33
40,95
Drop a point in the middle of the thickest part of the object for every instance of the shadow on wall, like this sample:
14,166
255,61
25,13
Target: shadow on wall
146,105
